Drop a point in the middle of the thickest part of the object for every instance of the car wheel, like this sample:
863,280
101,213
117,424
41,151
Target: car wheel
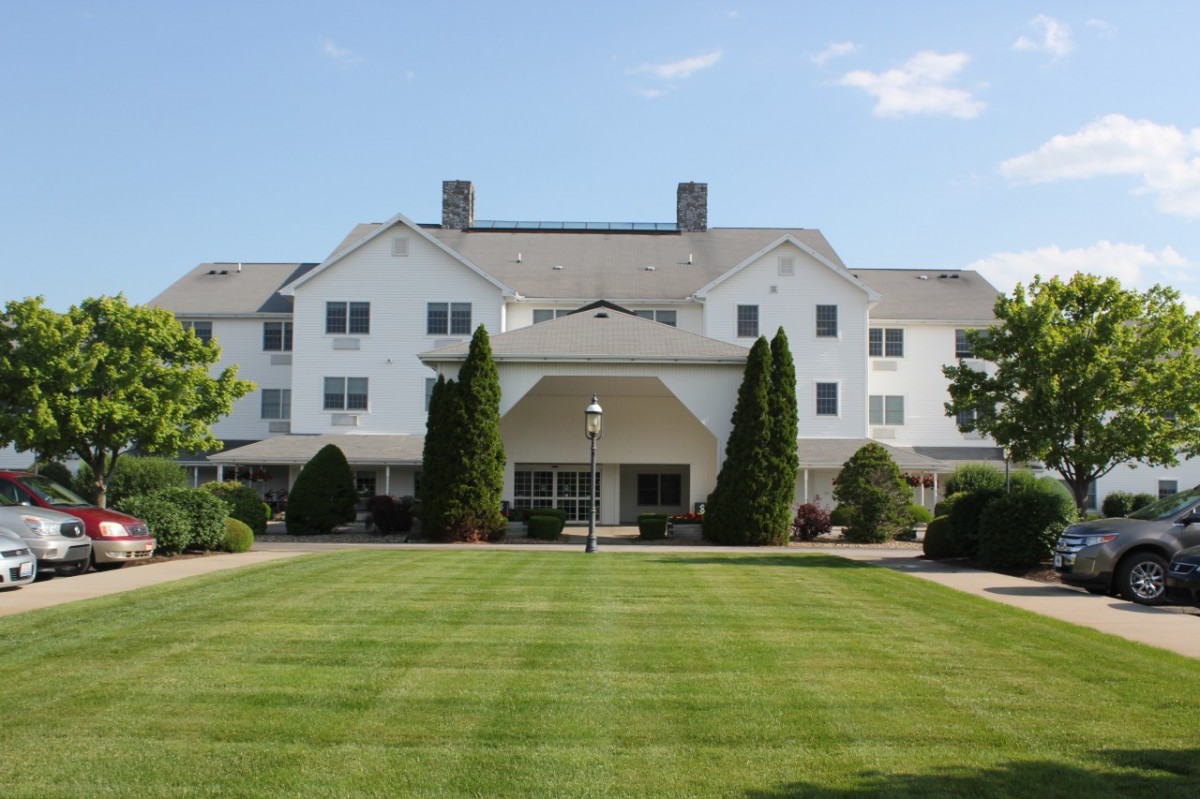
1142,577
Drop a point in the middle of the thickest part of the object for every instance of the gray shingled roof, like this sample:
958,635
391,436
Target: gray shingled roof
833,452
358,449
216,290
936,295
599,334
611,265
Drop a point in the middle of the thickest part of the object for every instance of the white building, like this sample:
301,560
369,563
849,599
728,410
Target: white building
654,318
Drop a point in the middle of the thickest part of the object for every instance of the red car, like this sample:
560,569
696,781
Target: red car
116,537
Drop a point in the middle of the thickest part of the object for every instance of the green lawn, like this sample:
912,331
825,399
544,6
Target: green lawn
485,673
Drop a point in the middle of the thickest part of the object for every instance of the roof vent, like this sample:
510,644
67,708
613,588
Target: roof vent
558,267
518,257
954,277
922,277
602,315
212,271
649,267
224,272
943,276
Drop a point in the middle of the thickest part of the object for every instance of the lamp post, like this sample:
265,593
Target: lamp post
593,428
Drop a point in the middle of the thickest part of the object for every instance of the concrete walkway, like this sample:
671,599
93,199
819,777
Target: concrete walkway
1171,628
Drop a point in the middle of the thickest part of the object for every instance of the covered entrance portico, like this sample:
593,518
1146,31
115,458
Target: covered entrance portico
667,397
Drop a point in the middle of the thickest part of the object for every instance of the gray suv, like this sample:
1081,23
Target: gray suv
1129,555
57,539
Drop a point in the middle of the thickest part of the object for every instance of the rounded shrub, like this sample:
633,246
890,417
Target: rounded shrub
323,495
134,476
971,477
238,536
652,526
939,542
964,519
243,503
840,516
205,513
1018,530
945,505
58,472
811,521
168,523
546,524
878,496
1123,503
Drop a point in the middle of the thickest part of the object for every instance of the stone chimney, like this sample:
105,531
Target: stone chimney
458,204
691,207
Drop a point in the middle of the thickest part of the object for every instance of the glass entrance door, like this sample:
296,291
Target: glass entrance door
565,488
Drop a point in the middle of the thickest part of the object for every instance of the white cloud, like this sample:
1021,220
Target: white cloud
919,87
1165,158
649,94
340,55
835,50
1104,29
1053,36
684,68
1133,264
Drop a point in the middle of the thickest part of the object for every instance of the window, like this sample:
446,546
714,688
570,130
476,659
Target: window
277,336
885,409
662,317
885,342
965,418
659,490
448,318
962,347
827,399
1167,487
276,403
827,321
546,314
747,321
345,393
430,382
347,318
203,330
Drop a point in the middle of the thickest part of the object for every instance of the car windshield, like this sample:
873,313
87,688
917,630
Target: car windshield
1167,507
52,493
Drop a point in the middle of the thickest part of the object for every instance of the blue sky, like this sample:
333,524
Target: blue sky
142,138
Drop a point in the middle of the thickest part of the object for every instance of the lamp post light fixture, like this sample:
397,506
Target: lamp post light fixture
593,428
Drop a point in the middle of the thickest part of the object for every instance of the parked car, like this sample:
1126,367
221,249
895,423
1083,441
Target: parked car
18,565
1129,555
56,538
117,538
1183,577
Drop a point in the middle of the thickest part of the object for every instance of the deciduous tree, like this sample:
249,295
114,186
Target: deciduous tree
1085,376
105,377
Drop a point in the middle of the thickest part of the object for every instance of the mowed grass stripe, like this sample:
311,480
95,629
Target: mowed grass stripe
497,673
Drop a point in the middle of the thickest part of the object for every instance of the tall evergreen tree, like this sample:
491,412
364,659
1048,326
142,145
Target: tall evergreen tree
479,389
785,462
741,509
463,469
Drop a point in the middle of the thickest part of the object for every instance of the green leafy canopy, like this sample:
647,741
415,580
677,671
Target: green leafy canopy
107,376
1085,375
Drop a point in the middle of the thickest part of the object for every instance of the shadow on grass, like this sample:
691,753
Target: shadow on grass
1140,772
796,560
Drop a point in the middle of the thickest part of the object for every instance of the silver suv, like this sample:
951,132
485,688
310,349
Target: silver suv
1129,555
57,539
